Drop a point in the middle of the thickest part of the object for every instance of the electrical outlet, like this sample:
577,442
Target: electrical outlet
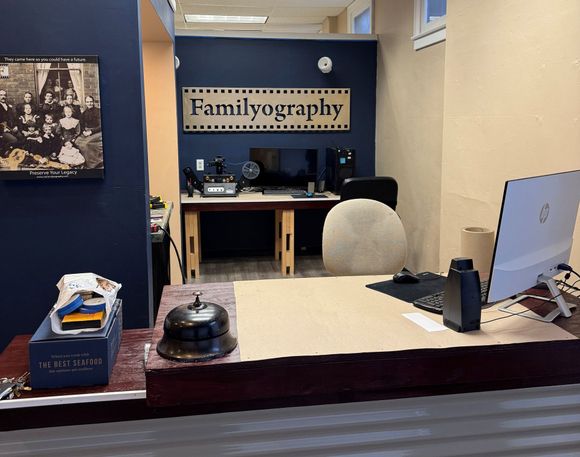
199,166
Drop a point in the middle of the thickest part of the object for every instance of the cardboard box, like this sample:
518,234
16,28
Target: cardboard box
86,359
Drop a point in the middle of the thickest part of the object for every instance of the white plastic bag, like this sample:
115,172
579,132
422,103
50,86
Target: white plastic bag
82,283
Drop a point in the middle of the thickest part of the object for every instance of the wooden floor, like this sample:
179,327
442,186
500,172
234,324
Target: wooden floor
240,269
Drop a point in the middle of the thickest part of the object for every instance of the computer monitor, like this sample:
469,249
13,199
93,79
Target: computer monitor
285,167
534,236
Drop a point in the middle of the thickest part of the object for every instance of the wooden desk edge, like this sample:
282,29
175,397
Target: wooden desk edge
370,376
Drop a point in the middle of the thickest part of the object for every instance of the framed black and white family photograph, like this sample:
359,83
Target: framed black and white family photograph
50,117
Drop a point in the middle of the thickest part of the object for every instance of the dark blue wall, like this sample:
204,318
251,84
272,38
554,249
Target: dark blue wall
50,228
233,62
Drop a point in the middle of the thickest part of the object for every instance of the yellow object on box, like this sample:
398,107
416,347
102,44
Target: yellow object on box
157,205
77,320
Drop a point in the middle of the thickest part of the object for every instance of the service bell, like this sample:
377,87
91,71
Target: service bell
196,332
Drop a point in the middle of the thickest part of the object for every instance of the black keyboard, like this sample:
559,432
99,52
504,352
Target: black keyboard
284,191
434,302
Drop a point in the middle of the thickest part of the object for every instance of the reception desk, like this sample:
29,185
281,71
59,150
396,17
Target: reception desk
277,367
331,340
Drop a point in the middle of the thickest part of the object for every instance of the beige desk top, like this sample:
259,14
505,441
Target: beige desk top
339,315
253,197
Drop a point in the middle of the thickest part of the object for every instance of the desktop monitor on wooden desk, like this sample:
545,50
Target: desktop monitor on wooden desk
534,239
285,167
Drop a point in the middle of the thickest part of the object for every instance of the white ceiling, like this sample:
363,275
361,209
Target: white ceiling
295,16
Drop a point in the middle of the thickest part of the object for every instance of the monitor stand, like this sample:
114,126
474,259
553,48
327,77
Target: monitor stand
563,307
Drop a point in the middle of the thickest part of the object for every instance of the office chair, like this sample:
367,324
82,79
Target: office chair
363,237
381,188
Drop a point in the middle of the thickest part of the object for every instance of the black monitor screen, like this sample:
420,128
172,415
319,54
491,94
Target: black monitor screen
285,167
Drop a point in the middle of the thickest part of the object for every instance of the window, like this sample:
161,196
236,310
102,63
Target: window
60,79
360,17
429,26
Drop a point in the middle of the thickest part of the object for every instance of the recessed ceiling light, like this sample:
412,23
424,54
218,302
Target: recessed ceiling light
226,19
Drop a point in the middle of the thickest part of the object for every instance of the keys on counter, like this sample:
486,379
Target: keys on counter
12,387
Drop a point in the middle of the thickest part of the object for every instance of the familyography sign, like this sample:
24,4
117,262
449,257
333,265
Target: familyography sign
211,109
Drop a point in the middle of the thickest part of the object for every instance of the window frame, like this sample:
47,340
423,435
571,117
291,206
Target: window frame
58,68
355,9
427,33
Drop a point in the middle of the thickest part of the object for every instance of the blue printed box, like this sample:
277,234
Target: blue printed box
74,360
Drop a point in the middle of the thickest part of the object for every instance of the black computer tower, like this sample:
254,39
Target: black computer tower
340,164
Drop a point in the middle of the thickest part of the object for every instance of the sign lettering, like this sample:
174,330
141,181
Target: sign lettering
256,109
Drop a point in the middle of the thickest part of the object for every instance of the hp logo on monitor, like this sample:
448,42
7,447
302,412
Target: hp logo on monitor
544,213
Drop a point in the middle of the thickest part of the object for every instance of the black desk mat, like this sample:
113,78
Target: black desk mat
428,284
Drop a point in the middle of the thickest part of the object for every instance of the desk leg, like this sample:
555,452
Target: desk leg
192,243
198,244
278,235
287,241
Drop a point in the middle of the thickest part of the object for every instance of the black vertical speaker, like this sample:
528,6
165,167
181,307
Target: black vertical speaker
339,166
462,299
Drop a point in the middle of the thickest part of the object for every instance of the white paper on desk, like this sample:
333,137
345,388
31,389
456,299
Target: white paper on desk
424,322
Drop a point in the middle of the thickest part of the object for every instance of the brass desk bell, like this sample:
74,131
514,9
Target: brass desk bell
196,332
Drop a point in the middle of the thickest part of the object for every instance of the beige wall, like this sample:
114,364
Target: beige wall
329,25
336,24
512,105
499,99
410,127
342,22
161,120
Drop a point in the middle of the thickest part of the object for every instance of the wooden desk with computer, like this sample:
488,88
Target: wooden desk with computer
283,205
320,340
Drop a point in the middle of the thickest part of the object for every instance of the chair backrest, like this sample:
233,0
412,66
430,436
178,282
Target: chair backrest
381,188
363,237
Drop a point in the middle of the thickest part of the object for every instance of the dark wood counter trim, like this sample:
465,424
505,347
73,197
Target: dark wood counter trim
128,372
324,379
128,375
